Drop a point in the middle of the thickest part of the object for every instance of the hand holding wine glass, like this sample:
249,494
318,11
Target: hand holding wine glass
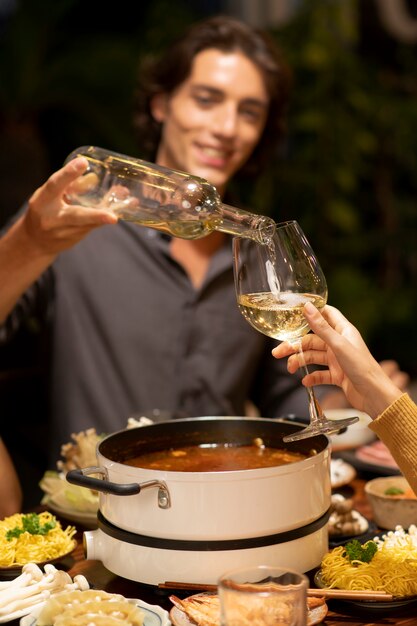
273,281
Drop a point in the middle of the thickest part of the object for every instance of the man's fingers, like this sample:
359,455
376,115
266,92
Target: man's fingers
57,183
81,216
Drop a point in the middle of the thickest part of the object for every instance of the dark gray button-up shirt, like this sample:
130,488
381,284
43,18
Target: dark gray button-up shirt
130,334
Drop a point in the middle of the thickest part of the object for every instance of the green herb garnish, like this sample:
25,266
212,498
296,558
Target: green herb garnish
393,491
355,551
31,524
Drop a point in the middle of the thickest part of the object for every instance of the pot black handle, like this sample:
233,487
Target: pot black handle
81,478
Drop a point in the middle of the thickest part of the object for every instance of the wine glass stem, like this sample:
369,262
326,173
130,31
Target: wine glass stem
315,410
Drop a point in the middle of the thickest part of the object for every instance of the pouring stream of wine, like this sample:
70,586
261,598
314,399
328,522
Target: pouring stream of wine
273,281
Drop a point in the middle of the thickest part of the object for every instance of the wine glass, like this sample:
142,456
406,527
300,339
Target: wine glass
273,281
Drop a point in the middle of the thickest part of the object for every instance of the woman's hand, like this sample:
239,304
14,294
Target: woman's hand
338,345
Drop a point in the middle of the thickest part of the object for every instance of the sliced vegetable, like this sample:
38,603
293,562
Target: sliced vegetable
61,493
394,491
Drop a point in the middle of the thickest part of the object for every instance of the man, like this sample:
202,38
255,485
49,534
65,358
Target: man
141,321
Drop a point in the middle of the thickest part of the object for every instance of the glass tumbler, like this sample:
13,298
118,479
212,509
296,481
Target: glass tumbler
263,596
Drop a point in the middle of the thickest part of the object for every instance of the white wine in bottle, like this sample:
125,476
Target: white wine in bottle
174,202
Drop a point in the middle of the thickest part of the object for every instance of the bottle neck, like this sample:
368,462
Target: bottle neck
245,224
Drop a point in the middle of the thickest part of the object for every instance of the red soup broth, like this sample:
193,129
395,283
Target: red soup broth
215,458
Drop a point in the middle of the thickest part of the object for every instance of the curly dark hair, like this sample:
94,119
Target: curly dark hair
164,74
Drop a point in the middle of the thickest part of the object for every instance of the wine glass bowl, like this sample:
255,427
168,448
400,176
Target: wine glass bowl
273,281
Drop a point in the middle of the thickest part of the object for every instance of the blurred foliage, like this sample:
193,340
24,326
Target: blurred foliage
68,74
347,173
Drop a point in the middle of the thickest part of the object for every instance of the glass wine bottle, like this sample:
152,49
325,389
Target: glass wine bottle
151,195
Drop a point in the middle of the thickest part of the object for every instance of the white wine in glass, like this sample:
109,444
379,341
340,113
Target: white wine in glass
273,281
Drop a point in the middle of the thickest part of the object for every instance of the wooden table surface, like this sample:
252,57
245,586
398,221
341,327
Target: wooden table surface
339,615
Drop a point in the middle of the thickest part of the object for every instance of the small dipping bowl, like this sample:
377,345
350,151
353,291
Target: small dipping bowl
390,510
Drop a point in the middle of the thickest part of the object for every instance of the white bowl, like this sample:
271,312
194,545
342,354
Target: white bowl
356,435
389,511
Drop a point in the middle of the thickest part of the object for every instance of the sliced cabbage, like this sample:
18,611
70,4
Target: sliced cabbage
65,495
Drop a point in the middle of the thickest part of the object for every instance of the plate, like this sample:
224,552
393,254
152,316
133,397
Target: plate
86,519
180,618
154,615
357,434
15,570
371,468
366,608
341,473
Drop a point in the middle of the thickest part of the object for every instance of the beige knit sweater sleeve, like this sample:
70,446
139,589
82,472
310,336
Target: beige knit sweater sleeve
397,428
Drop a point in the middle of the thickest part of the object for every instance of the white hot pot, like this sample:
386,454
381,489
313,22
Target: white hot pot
156,525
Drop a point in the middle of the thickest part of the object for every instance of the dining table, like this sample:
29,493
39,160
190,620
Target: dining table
340,613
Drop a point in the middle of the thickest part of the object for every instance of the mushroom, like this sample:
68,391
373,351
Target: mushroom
25,601
80,582
344,520
29,589
56,579
30,571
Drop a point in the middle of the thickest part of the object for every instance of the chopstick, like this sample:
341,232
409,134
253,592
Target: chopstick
342,594
188,586
351,594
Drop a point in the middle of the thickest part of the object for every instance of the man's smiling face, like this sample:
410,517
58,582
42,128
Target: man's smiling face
213,121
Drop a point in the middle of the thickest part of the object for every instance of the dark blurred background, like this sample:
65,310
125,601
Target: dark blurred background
348,171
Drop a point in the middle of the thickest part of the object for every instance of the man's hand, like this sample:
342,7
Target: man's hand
51,224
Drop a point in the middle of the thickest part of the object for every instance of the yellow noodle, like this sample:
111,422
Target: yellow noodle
28,548
393,568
